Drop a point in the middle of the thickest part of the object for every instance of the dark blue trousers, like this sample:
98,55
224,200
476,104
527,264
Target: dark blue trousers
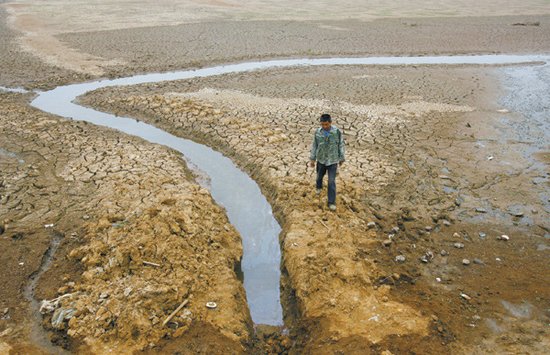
322,169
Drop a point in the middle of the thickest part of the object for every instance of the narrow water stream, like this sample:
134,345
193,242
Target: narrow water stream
247,208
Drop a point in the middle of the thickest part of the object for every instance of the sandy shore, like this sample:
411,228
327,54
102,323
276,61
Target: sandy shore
418,139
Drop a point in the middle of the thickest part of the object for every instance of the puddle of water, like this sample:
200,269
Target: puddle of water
246,207
38,335
527,95
449,189
493,325
15,90
8,154
522,310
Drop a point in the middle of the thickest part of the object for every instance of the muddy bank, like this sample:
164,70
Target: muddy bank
23,69
153,47
411,169
139,237
251,40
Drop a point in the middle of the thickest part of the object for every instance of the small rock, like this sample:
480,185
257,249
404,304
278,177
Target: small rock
387,242
478,261
395,229
400,258
482,235
424,259
428,228
385,299
517,214
211,305
458,245
465,296
481,210
446,223
456,235
127,291
503,110
503,237
465,262
50,225
458,201
438,279
490,157
371,225
104,295
443,253
332,302
497,259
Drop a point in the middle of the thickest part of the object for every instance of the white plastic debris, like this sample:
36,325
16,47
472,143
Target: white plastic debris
211,305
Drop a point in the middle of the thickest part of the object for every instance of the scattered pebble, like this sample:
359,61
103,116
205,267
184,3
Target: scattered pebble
444,253
465,296
400,258
497,259
446,223
456,235
465,262
438,279
503,237
127,291
478,261
395,229
482,235
371,225
48,225
387,242
481,210
428,228
490,157
211,305
458,245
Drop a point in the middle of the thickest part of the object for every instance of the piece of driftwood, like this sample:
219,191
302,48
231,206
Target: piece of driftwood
175,312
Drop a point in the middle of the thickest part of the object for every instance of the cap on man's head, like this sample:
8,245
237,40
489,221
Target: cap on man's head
325,117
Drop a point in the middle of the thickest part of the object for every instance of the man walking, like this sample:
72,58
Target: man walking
328,151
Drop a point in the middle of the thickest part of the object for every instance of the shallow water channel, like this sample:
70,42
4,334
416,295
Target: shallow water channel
246,207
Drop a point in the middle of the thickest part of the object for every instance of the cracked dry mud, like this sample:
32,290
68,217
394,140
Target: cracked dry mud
418,139
117,212
410,159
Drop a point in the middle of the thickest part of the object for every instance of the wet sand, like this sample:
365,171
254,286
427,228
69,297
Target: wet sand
418,140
